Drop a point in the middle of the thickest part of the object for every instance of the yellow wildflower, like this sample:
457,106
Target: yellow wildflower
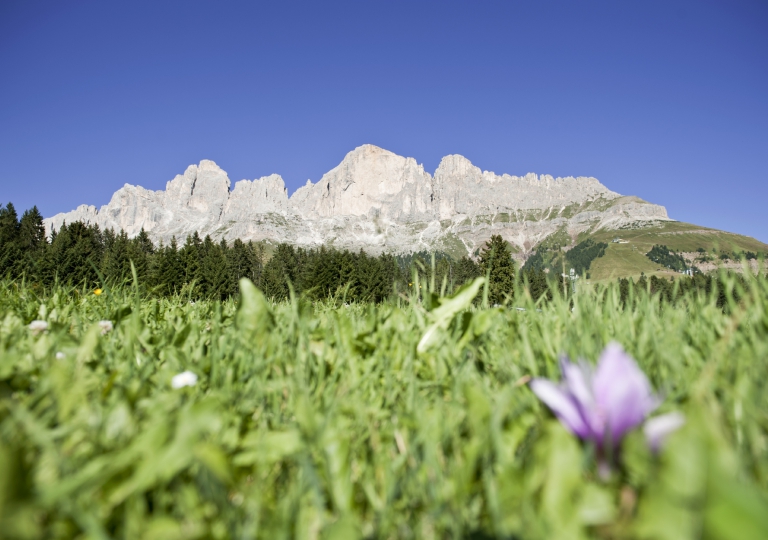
97,292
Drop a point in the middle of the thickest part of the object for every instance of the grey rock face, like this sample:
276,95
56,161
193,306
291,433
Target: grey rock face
461,188
370,182
374,200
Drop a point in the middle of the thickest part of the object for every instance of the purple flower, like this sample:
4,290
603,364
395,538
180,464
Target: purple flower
601,406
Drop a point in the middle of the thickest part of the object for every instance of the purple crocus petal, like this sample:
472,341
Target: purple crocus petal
562,404
577,379
577,382
621,391
658,428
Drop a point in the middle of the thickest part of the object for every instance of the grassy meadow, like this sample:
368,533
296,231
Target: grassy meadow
629,260
407,419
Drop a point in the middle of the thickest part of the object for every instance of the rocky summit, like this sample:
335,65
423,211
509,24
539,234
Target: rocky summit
373,200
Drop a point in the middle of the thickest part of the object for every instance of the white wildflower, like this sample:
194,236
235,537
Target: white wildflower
185,378
60,356
38,327
106,327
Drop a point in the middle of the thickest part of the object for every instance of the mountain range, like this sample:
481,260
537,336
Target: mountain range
377,201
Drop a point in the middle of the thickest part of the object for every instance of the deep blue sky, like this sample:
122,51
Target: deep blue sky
664,100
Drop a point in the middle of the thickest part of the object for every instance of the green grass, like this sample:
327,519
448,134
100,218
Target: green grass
629,260
626,260
332,421
683,237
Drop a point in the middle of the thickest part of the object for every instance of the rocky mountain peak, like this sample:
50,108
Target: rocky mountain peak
209,165
373,199
454,164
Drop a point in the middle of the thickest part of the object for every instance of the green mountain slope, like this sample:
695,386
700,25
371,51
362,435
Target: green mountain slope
629,260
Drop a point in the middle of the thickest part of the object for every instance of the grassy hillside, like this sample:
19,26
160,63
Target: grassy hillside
683,237
629,260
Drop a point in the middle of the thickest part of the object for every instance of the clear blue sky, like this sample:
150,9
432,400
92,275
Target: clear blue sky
664,100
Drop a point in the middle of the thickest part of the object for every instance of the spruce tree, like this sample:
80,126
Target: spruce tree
32,230
190,261
212,275
347,269
496,262
154,270
256,257
116,265
239,263
302,261
31,243
279,271
138,256
144,243
9,241
171,270
311,279
50,266
391,275
326,272
464,270
443,274
536,281
74,255
108,239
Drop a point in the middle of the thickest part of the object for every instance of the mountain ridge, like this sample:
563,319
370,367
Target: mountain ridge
374,200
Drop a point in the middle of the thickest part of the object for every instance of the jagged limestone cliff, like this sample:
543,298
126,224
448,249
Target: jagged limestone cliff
374,200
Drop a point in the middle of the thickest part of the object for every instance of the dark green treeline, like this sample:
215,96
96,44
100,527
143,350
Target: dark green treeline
84,256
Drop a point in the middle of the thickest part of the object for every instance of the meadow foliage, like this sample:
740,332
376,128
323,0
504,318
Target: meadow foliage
411,418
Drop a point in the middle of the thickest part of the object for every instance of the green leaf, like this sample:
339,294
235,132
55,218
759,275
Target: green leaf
253,314
442,316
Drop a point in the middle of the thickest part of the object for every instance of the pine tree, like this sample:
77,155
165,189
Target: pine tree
302,262
116,264
154,263
464,270
443,275
31,243
74,255
139,258
32,230
190,261
391,275
279,271
496,262
365,277
313,279
108,239
347,271
256,258
327,272
144,243
50,264
239,264
171,269
536,281
212,272
10,249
